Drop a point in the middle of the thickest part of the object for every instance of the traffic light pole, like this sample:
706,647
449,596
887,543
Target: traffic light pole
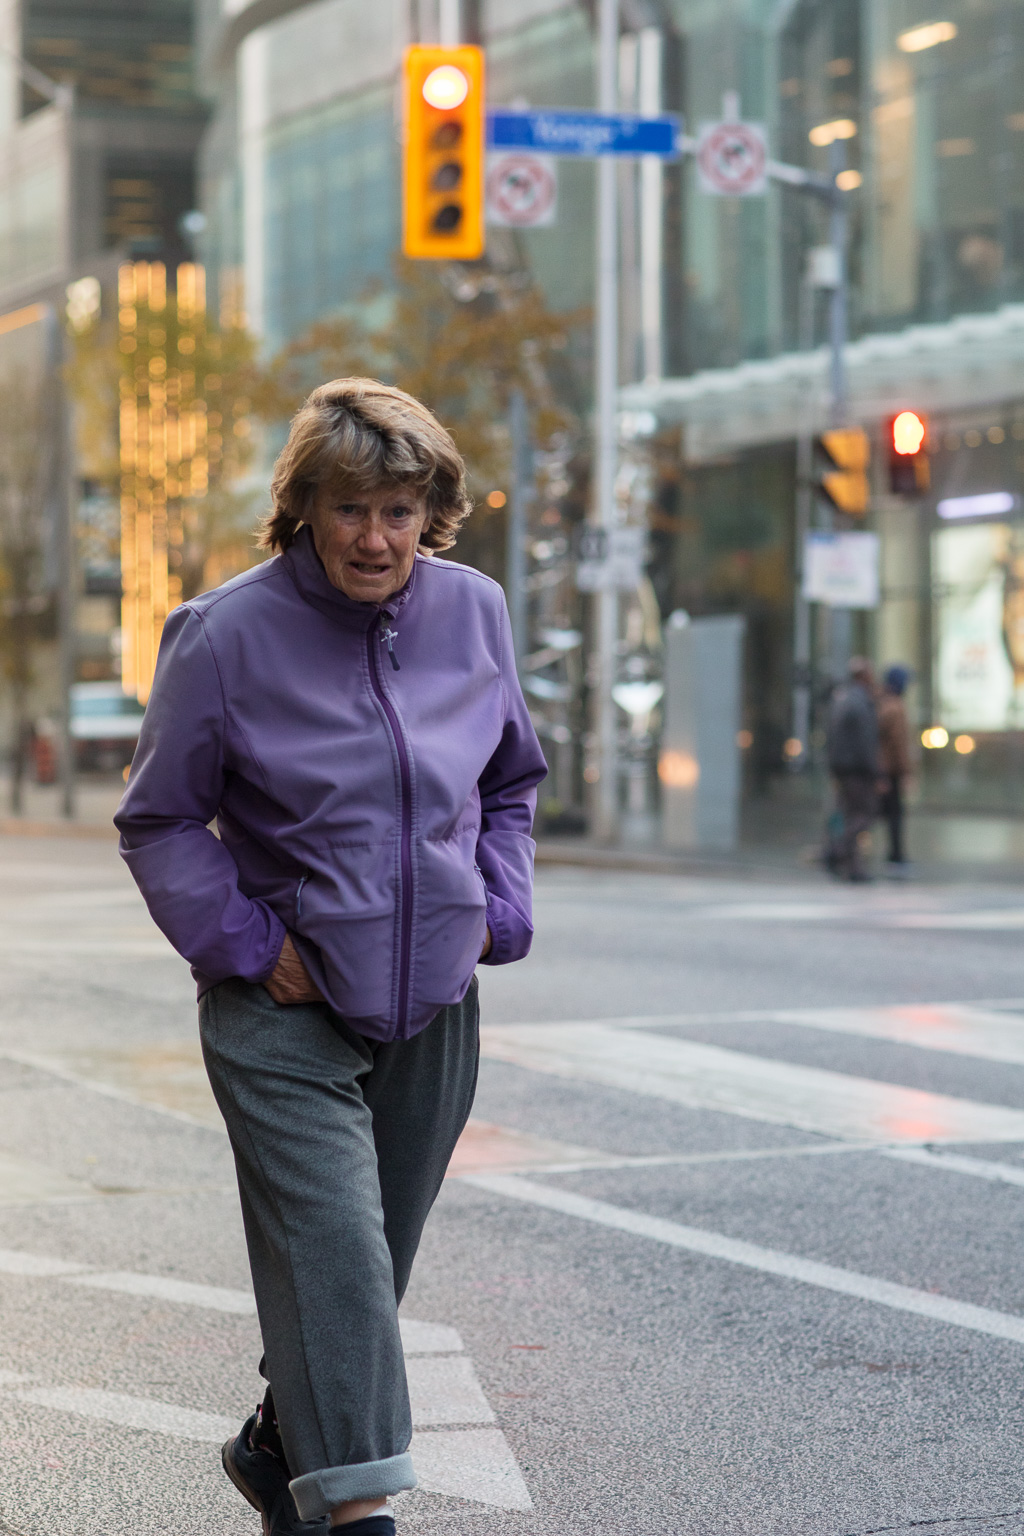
515,545
827,189
606,353
840,619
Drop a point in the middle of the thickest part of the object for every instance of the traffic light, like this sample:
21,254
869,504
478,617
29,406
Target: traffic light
845,481
909,470
443,154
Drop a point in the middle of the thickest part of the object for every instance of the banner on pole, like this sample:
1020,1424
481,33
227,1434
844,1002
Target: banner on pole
841,569
610,559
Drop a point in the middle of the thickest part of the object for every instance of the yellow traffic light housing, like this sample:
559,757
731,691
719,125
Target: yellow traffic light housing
846,486
443,154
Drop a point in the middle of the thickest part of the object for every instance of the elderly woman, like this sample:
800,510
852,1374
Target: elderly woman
349,714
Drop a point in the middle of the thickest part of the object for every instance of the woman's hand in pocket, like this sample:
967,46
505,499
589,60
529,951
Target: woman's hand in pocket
289,981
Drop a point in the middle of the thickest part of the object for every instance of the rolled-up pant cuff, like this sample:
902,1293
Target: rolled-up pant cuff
317,1493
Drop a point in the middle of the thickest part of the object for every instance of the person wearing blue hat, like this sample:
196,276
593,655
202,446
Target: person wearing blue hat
894,763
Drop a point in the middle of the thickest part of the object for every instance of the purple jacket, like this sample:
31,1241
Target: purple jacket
373,775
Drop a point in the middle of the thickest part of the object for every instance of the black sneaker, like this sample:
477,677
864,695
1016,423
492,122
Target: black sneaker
263,1478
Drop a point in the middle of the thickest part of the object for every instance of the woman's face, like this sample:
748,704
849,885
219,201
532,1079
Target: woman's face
367,544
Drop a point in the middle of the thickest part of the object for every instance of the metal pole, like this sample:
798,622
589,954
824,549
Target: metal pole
449,23
841,619
515,546
838,236
606,327
652,206
58,504
801,723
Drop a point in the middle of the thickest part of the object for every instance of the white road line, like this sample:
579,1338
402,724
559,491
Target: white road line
475,1464
445,1390
992,919
990,1032
134,1412
955,1027
953,1162
714,1245
779,912
14,1262
215,1297
832,1104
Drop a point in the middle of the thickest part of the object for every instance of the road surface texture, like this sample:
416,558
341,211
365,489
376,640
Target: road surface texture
731,1248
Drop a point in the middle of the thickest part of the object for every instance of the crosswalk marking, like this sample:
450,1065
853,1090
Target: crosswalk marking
474,1464
134,1412
956,1027
987,1031
903,1298
217,1297
832,1104
444,1390
428,1338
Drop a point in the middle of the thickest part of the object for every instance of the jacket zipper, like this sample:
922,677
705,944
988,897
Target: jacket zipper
405,781
298,894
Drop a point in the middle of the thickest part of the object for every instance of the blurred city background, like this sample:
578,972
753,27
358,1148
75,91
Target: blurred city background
200,218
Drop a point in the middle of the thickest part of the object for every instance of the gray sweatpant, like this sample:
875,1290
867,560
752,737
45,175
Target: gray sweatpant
340,1146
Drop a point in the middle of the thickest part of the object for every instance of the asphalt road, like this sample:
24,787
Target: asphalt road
732,1246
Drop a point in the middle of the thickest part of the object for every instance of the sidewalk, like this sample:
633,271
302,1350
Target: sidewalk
779,841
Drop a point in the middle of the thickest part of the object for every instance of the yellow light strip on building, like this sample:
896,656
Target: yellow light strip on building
163,455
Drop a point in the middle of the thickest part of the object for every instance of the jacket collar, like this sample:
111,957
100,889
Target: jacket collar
306,570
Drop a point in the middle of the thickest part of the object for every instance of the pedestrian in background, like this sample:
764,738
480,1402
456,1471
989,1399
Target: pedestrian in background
853,761
894,763
349,712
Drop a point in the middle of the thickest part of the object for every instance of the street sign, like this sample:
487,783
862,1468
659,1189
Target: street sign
522,190
732,159
841,569
610,559
589,134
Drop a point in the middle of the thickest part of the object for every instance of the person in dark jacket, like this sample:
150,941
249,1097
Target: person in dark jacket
894,762
853,763
349,714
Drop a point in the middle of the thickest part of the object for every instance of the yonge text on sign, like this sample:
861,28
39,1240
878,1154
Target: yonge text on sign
589,134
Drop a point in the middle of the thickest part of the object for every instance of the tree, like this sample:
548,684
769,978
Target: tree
460,339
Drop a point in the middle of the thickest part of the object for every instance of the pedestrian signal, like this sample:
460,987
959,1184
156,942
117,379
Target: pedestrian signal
909,470
443,154
845,482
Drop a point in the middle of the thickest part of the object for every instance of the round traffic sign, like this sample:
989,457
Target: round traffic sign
732,158
521,190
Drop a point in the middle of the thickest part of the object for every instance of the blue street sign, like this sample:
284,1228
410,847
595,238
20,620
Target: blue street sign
555,132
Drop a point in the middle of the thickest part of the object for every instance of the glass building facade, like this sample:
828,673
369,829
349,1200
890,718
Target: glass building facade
299,179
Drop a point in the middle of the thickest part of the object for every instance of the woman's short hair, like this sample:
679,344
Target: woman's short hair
356,435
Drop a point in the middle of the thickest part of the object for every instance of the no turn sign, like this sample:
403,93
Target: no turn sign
522,190
732,159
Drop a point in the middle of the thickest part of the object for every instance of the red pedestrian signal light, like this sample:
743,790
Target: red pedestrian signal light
443,154
909,470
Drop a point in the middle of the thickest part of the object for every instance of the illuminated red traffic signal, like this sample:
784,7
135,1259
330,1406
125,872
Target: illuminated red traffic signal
909,470
443,154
